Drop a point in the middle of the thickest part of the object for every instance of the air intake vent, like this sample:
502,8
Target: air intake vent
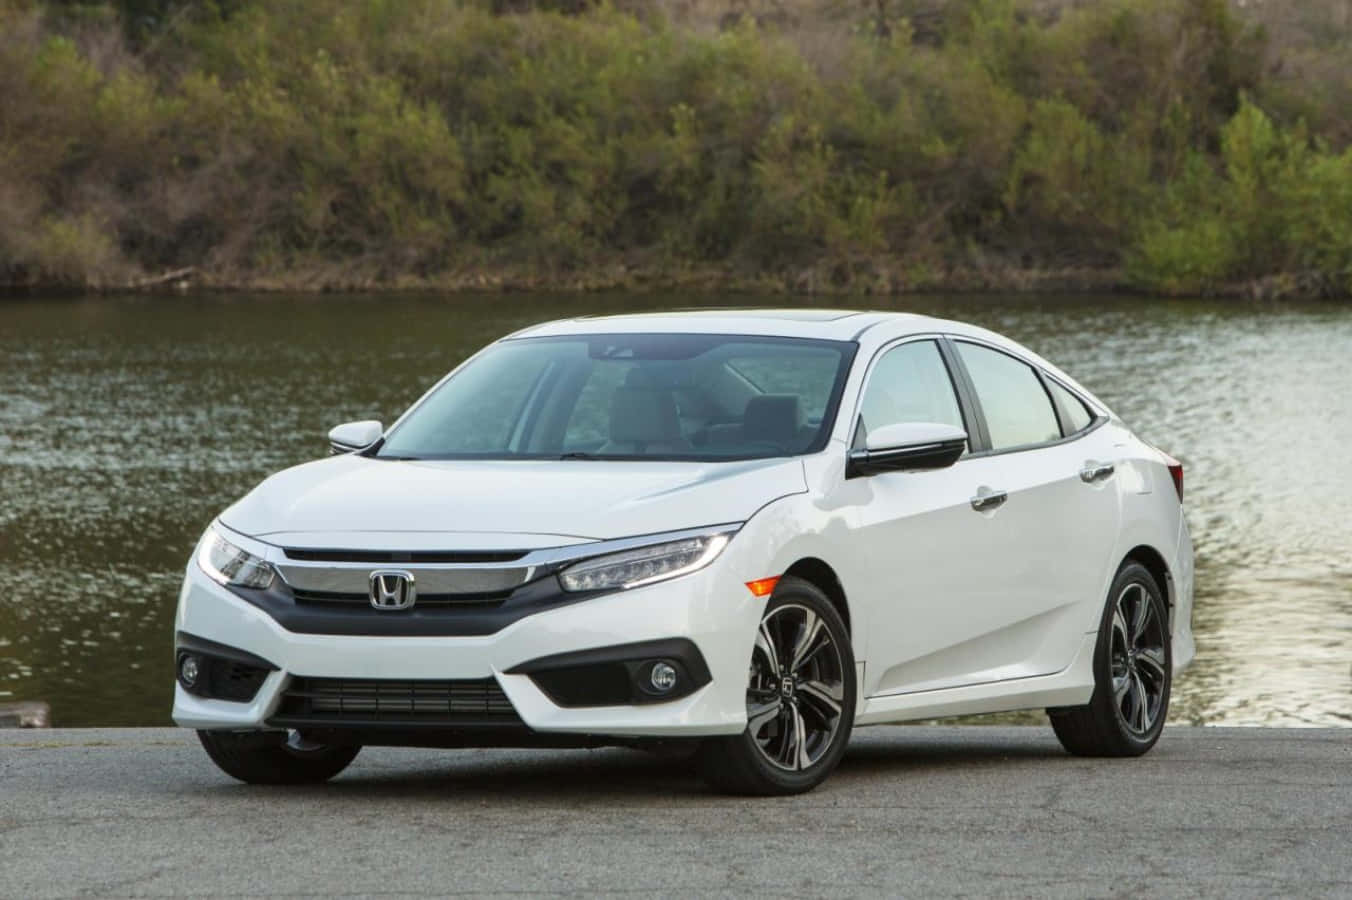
349,702
236,681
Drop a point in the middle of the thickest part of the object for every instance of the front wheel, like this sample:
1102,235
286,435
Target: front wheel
1133,674
275,757
800,699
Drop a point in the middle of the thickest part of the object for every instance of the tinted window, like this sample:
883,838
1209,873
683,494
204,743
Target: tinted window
632,396
1018,411
1078,414
910,383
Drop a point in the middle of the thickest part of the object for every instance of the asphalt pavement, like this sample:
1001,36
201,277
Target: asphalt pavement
912,812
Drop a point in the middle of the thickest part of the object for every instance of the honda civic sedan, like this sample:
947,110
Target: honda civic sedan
746,531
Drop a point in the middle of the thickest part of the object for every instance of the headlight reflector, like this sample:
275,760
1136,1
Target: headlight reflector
228,564
635,568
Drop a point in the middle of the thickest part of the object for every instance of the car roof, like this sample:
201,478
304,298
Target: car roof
825,324
869,328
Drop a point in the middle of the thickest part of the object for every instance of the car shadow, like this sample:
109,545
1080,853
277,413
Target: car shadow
617,774
913,750
582,776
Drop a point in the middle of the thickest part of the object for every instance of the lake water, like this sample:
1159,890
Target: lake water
126,424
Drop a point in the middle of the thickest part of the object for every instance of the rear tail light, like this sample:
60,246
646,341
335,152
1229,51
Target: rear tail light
1175,472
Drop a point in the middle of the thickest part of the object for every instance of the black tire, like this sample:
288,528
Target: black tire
798,733
272,757
1133,674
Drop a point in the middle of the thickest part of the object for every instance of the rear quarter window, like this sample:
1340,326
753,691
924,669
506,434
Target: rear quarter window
1078,416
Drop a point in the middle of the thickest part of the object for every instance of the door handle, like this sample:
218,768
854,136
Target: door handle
1096,471
988,499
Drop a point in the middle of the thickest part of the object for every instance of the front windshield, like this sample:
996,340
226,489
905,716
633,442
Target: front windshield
632,396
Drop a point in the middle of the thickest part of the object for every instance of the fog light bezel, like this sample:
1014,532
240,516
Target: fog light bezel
618,675
213,681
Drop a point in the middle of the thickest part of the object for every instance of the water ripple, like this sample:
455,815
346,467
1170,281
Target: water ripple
126,424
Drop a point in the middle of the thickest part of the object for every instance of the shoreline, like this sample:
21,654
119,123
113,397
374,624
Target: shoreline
868,279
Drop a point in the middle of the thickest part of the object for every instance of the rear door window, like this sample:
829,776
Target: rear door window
1017,409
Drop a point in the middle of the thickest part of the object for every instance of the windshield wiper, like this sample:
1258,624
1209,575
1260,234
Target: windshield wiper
577,454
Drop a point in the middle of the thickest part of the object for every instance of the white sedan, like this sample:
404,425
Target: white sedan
748,530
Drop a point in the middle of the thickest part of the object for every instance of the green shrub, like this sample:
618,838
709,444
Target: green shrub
368,141
1275,203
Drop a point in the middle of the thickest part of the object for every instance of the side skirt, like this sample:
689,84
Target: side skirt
1072,686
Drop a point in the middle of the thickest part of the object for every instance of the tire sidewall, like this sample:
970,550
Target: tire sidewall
793,591
1131,573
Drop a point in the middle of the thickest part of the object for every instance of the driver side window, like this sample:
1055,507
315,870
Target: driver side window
910,383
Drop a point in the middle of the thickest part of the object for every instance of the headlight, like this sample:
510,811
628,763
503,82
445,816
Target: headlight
634,568
228,564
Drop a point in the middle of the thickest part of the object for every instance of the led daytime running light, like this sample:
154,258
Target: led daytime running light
227,564
646,565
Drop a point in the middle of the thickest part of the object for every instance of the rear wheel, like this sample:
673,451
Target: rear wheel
799,702
1133,674
275,757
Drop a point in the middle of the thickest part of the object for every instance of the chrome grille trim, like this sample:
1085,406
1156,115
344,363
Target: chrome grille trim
355,578
399,557
423,601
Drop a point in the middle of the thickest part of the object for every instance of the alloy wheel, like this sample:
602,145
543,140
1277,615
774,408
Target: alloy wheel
796,695
1137,659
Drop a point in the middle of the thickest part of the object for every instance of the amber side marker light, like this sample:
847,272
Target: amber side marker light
763,587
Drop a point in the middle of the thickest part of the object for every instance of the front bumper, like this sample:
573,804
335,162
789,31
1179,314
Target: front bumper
709,608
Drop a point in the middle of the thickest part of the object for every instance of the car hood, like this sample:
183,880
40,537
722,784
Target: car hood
538,502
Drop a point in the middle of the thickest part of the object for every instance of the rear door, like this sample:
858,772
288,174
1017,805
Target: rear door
1062,511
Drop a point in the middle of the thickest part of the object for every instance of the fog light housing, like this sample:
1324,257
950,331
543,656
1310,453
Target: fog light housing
662,676
657,671
189,670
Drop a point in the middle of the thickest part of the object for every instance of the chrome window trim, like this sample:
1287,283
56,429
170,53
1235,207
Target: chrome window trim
1022,448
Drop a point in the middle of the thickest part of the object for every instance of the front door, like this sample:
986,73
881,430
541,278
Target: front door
1060,517
931,564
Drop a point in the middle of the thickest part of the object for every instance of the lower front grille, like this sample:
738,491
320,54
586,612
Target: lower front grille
344,702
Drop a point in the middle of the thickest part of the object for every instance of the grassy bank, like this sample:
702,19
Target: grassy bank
1178,146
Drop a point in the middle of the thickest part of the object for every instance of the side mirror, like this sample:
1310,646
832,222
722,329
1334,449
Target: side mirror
353,436
908,447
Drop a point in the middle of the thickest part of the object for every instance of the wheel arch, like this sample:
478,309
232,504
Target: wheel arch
1158,568
820,574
